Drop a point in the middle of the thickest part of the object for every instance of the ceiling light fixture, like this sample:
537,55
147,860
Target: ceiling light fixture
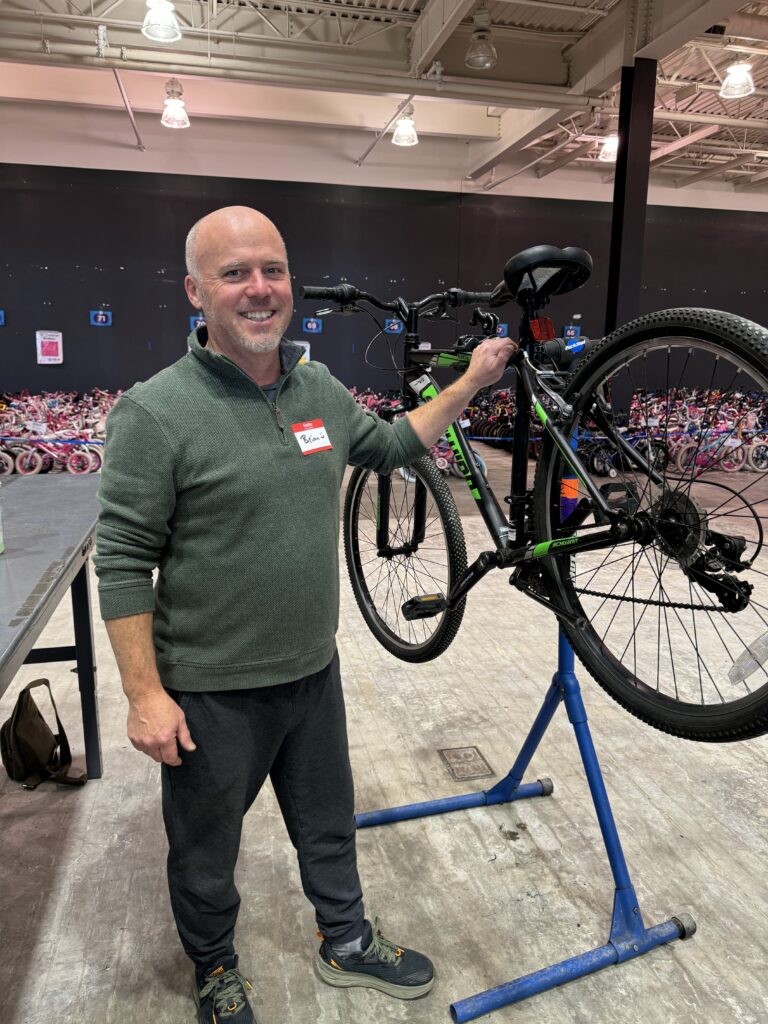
737,82
160,24
481,54
174,115
609,149
405,129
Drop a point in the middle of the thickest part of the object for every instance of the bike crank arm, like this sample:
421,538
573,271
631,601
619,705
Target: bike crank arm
426,606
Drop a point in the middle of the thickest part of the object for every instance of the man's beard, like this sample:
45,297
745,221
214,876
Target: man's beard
261,345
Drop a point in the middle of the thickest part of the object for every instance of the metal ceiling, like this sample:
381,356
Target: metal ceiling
559,61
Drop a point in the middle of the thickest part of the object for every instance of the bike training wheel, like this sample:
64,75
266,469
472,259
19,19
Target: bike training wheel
661,644
383,583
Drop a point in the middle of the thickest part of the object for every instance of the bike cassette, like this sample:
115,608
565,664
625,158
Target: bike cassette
681,525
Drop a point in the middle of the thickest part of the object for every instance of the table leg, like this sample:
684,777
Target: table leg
86,671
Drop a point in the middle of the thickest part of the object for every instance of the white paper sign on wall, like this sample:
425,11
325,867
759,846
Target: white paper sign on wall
50,347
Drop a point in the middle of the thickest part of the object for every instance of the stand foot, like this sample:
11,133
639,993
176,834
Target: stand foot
569,970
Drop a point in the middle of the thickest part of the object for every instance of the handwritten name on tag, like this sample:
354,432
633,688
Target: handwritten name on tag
311,436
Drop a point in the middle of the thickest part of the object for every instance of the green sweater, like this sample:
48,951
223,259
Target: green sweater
204,479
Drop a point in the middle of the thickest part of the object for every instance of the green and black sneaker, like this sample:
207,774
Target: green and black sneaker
221,994
380,964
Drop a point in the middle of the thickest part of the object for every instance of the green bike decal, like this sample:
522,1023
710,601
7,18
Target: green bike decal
552,545
429,392
453,359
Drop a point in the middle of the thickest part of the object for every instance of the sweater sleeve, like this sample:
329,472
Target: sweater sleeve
138,496
376,444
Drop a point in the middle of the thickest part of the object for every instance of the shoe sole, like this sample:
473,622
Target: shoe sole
350,979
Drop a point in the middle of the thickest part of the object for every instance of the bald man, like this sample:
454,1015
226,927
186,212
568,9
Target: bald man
229,664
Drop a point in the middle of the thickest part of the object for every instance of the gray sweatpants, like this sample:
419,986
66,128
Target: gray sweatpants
295,733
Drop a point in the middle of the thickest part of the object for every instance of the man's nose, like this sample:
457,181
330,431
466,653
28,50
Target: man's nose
258,285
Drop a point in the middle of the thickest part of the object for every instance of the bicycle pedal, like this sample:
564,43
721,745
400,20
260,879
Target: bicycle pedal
424,606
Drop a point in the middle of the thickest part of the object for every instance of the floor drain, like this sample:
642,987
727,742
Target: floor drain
466,763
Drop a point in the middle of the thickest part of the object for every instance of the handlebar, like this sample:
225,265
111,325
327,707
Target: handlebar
345,294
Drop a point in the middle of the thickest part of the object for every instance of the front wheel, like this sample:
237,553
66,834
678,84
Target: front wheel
675,621
403,539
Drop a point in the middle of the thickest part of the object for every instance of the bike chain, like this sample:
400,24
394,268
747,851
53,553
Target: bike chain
650,600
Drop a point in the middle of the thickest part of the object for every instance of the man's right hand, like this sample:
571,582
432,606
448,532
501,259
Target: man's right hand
157,727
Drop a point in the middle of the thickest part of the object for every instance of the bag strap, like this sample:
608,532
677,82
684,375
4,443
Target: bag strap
62,762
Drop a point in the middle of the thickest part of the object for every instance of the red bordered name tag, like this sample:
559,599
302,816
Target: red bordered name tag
311,436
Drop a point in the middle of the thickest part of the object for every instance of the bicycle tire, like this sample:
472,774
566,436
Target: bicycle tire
668,618
79,463
7,465
381,585
29,463
757,456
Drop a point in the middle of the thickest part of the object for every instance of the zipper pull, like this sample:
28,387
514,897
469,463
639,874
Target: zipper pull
279,417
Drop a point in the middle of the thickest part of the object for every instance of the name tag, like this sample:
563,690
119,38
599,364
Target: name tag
311,436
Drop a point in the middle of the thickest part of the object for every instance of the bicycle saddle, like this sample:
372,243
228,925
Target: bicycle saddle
534,275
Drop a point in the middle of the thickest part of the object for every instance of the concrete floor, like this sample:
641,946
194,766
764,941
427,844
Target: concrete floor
86,933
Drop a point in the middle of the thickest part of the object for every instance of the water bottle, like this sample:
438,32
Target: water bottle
749,660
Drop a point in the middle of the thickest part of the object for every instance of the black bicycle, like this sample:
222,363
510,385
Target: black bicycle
659,577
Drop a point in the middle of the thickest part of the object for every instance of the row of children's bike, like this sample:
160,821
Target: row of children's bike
54,431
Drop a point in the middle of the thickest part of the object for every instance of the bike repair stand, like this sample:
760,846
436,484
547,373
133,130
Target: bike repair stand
629,938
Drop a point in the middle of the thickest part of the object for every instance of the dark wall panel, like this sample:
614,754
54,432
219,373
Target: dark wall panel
74,240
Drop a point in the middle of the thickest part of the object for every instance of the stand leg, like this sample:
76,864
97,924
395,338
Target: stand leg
629,938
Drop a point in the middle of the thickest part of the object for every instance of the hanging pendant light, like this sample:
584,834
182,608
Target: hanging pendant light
481,54
609,149
160,24
174,115
405,129
738,82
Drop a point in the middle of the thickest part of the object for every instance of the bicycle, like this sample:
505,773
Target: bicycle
658,578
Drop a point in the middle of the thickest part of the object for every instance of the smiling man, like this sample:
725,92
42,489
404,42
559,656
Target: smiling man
229,663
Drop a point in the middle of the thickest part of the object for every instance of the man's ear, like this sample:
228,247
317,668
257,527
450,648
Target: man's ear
193,293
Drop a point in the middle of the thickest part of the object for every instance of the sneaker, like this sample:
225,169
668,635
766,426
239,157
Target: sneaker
220,994
394,970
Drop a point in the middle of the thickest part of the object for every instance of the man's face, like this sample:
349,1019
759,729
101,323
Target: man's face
243,288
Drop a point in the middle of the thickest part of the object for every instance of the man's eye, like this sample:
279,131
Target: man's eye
233,273
275,271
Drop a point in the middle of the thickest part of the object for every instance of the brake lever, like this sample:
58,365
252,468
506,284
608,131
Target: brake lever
347,310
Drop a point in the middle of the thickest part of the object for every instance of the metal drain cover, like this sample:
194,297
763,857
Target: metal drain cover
466,763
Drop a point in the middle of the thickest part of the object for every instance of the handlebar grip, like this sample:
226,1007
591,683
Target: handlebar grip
458,297
342,293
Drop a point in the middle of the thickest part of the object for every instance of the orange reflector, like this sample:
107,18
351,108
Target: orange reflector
569,487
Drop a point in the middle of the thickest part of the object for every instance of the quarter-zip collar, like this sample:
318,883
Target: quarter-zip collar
290,354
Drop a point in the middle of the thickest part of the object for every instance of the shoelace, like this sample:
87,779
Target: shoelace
228,990
383,948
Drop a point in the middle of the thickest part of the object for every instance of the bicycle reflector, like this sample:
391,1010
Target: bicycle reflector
542,328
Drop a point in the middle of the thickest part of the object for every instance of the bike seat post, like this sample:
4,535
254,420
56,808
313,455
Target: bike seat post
520,438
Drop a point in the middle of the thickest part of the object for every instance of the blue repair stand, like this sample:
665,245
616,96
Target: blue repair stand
629,937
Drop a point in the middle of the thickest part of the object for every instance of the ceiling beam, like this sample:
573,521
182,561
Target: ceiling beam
435,25
676,22
566,158
683,141
715,170
756,179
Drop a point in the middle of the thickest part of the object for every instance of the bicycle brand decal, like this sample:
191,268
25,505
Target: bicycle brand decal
552,545
461,462
311,437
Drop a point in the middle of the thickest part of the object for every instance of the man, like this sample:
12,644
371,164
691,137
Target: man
230,666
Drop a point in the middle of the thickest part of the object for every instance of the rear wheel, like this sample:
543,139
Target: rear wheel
6,464
676,623
422,553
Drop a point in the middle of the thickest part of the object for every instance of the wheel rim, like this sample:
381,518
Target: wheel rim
629,592
387,583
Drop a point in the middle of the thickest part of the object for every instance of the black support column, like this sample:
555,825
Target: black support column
630,191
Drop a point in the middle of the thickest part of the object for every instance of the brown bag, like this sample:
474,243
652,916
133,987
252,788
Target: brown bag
32,753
